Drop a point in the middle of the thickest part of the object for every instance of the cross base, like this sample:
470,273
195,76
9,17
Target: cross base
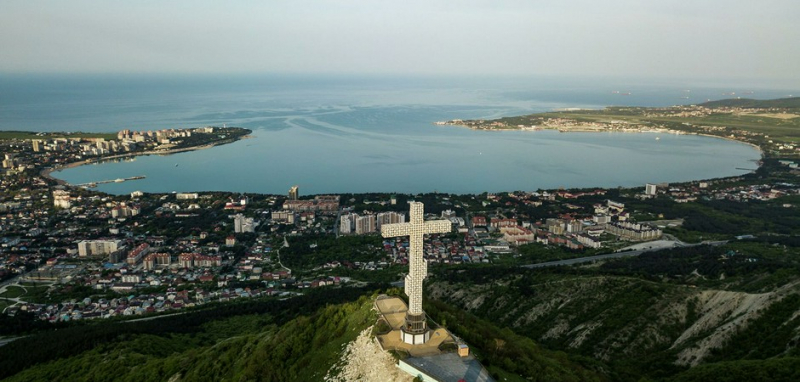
415,331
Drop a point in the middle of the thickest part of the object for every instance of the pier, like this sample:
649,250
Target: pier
118,180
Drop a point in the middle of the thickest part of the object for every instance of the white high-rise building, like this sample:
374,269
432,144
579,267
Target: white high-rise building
243,224
98,247
650,189
365,224
238,219
346,223
10,161
390,218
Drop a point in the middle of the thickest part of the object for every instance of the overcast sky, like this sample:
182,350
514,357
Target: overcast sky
669,38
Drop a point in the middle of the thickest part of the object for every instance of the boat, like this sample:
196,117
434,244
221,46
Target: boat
658,138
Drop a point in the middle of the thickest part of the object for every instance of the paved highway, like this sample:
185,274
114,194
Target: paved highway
615,255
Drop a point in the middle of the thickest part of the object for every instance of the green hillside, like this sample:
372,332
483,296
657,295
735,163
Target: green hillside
787,103
295,339
779,369
299,339
656,315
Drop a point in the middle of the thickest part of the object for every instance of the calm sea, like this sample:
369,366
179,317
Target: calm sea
372,134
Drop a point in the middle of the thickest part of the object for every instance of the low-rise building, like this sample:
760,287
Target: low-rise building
98,247
135,256
633,231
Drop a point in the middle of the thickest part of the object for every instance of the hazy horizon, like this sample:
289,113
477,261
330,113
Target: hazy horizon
714,40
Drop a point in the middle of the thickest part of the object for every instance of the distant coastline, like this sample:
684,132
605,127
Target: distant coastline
47,173
565,129
766,125
627,131
284,157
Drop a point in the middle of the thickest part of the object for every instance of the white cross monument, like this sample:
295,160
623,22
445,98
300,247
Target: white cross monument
415,331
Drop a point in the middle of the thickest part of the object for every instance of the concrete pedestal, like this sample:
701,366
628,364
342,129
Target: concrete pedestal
415,331
415,338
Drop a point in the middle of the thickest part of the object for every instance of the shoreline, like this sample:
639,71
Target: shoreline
628,131
755,146
571,130
47,173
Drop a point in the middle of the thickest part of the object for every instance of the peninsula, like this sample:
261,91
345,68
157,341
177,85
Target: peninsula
772,125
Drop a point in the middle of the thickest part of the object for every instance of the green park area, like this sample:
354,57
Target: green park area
13,292
26,291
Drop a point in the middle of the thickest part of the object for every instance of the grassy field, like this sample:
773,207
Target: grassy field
777,128
9,135
27,292
13,292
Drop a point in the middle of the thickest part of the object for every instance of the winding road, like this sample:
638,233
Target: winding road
617,255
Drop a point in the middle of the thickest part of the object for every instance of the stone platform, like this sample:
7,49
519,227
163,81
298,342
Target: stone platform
393,310
426,360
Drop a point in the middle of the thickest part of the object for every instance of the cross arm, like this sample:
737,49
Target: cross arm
438,226
395,230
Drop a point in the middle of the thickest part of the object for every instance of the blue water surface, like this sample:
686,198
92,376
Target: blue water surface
371,134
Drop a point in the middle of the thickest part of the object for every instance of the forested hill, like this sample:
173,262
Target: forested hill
787,103
679,314
265,340
298,339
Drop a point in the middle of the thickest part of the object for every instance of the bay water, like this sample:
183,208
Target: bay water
337,134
